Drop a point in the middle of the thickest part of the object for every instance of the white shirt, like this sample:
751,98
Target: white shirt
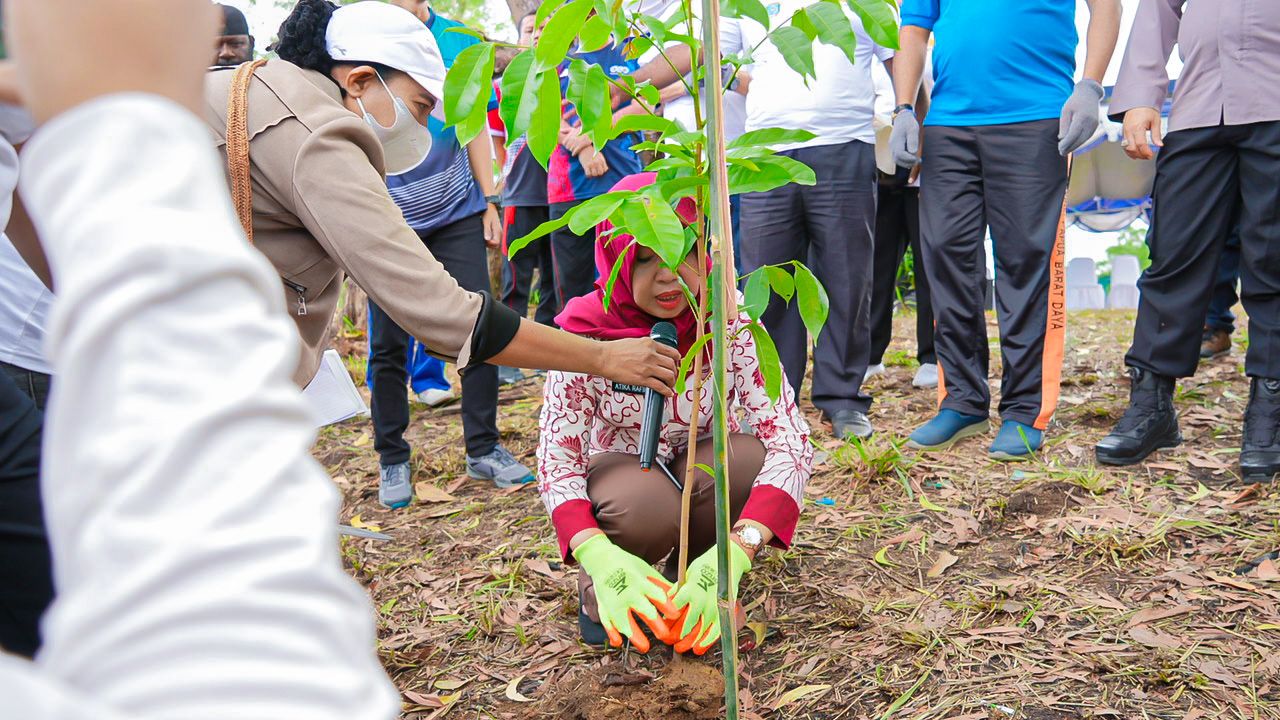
24,300
735,103
194,538
838,106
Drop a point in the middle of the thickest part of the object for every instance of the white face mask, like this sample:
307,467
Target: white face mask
406,143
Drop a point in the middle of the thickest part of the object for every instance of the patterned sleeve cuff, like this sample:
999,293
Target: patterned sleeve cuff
571,518
775,509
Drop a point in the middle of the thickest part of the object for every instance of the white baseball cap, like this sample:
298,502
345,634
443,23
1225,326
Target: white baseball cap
375,32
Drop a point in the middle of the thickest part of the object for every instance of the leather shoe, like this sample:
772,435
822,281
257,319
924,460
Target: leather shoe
1149,424
1215,343
851,423
1260,451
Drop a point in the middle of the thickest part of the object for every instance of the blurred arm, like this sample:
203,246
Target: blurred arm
196,555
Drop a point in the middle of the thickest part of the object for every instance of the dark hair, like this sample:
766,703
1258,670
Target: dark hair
302,35
302,39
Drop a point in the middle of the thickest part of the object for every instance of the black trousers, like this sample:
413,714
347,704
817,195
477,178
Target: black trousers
1204,178
517,272
31,382
26,568
1012,179
830,227
1225,296
897,228
460,247
574,257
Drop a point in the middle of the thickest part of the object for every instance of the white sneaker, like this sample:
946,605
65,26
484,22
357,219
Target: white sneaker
434,397
926,376
874,370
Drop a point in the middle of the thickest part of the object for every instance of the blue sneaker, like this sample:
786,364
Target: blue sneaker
1015,441
394,487
500,467
946,429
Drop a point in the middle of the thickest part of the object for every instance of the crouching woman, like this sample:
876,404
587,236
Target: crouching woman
617,520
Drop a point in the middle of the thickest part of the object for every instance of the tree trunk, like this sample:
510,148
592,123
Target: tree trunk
520,8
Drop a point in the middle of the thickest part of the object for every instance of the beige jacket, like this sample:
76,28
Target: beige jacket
321,209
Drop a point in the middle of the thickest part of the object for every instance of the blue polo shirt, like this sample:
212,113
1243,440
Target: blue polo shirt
440,190
996,61
566,180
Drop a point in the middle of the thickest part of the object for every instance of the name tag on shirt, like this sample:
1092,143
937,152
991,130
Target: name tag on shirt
631,389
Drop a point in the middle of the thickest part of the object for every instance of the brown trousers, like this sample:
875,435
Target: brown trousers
640,511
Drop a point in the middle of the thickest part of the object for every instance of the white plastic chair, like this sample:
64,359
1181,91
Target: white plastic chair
1124,282
1084,292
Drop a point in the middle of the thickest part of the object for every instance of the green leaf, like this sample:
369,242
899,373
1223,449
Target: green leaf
771,136
682,187
468,31
796,49
753,9
770,365
767,173
655,225
544,11
594,108
519,95
687,362
879,20
614,273
544,126
781,282
542,230
559,33
800,20
594,211
467,88
595,33
650,94
668,162
833,28
635,123
811,299
756,294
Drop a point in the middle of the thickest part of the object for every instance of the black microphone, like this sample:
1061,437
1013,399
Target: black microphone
654,403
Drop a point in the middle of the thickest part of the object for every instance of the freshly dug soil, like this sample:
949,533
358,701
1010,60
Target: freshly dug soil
686,690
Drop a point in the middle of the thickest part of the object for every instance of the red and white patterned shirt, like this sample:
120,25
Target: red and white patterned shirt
582,415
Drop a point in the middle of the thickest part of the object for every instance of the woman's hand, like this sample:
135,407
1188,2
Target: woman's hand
626,588
160,47
640,361
696,601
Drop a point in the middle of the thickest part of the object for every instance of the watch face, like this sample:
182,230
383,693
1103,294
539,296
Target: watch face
750,536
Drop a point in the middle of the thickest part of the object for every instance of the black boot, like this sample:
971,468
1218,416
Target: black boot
1260,452
1149,424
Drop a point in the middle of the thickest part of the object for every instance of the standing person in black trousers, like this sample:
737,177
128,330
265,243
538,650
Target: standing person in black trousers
897,228
829,226
524,207
1223,150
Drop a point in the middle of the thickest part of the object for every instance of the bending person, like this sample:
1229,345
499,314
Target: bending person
613,517
325,121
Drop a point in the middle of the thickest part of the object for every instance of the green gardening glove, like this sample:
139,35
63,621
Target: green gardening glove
626,588
696,599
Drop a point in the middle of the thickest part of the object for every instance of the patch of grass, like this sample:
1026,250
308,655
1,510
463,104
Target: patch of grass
900,358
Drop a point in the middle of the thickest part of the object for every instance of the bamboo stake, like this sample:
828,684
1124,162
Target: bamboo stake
723,309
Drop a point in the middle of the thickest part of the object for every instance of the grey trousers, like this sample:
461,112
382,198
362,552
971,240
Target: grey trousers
1206,177
1012,179
830,227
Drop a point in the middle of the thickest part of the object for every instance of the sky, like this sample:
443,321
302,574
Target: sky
265,18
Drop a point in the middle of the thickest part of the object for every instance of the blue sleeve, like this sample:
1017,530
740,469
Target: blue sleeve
920,13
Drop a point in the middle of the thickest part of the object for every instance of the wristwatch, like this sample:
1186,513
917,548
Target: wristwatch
750,538
494,200
903,107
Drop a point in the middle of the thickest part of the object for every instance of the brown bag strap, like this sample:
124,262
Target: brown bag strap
238,144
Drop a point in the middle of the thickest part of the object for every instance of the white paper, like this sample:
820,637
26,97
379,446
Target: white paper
331,394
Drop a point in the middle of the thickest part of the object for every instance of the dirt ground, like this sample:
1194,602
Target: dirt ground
935,586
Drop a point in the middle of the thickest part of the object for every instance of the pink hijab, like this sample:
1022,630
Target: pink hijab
586,315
